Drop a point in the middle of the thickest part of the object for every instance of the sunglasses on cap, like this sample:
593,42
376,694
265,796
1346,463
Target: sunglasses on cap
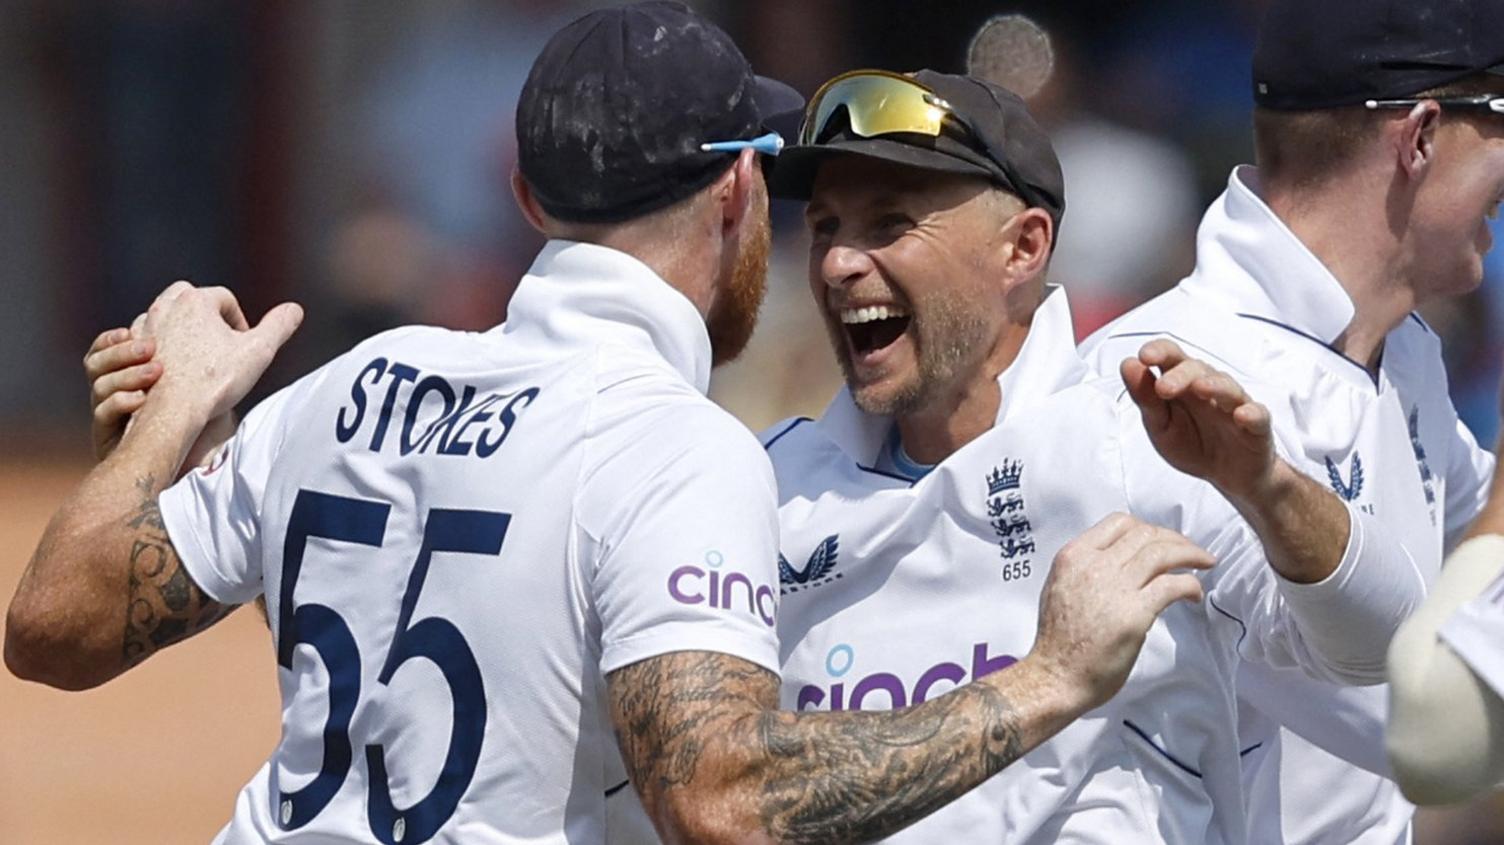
1493,103
880,102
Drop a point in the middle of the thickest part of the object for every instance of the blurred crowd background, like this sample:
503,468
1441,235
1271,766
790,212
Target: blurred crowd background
354,156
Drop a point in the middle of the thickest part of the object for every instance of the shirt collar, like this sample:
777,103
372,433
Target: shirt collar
1046,363
1247,257
579,293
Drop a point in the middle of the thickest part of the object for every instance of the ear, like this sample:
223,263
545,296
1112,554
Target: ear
1416,142
531,210
1032,245
735,191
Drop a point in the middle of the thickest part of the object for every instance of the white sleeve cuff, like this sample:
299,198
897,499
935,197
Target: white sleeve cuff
1348,618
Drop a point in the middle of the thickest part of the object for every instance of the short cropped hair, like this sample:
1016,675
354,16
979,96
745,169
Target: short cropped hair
1303,149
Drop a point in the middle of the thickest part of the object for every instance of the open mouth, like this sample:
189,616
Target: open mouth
874,327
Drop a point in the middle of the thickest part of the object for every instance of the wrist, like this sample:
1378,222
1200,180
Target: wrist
1052,685
1257,493
165,426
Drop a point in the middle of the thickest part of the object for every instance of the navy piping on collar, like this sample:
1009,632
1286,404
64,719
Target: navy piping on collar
1422,323
1162,752
1241,624
885,474
874,470
617,788
1250,749
790,427
1314,339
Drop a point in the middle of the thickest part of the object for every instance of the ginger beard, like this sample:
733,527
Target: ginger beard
948,334
734,314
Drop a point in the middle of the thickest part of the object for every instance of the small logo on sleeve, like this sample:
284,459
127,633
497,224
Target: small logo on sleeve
1005,512
818,570
722,588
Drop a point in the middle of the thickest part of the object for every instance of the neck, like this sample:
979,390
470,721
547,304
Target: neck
688,264
965,410
1350,232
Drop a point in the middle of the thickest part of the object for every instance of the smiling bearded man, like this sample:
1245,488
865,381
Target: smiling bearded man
919,516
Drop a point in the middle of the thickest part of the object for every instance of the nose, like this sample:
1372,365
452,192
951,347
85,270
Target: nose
842,265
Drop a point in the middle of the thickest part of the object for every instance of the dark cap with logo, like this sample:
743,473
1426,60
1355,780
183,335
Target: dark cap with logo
1322,54
614,111
996,138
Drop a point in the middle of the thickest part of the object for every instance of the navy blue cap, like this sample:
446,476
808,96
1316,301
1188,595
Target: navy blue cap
614,111
1000,141
1321,54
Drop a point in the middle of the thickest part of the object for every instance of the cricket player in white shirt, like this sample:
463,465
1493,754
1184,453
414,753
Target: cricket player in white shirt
965,450
1381,156
518,569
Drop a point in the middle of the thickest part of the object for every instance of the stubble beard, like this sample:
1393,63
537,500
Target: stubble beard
948,336
734,317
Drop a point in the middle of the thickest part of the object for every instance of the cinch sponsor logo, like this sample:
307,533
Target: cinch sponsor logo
851,694
722,589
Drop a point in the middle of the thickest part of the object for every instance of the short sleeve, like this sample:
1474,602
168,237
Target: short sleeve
679,536
1476,633
1470,469
213,514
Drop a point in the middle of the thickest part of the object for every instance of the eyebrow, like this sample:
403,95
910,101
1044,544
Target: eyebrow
885,200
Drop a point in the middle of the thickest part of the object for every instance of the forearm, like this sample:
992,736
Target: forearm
817,777
1303,527
1446,726
1345,584
105,588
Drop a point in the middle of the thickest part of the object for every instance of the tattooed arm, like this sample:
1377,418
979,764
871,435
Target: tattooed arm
105,588
714,761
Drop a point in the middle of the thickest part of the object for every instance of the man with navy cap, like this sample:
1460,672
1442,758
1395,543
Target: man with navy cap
1380,148
922,513
579,546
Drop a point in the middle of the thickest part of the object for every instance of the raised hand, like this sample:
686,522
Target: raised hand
120,371
1104,590
1201,420
210,357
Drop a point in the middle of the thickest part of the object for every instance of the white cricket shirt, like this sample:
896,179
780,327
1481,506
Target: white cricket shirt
459,535
1475,632
896,591
1262,307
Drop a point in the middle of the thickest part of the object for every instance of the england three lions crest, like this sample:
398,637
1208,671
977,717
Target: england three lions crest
1005,512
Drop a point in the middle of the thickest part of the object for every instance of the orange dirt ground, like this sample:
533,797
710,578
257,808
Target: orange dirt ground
156,757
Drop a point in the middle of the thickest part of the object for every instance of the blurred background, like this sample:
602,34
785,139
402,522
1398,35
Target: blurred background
354,156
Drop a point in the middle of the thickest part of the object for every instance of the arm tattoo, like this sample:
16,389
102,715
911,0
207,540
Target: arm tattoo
163,605
820,777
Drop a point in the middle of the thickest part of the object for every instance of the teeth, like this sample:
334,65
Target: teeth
851,316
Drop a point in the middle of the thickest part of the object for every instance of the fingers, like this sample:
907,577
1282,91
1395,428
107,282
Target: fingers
138,325
138,378
1254,418
1161,353
1164,553
116,407
278,325
126,353
1106,532
106,339
1140,381
1170,588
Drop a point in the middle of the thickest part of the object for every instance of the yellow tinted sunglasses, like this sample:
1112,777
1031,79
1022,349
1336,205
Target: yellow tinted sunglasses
877,102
